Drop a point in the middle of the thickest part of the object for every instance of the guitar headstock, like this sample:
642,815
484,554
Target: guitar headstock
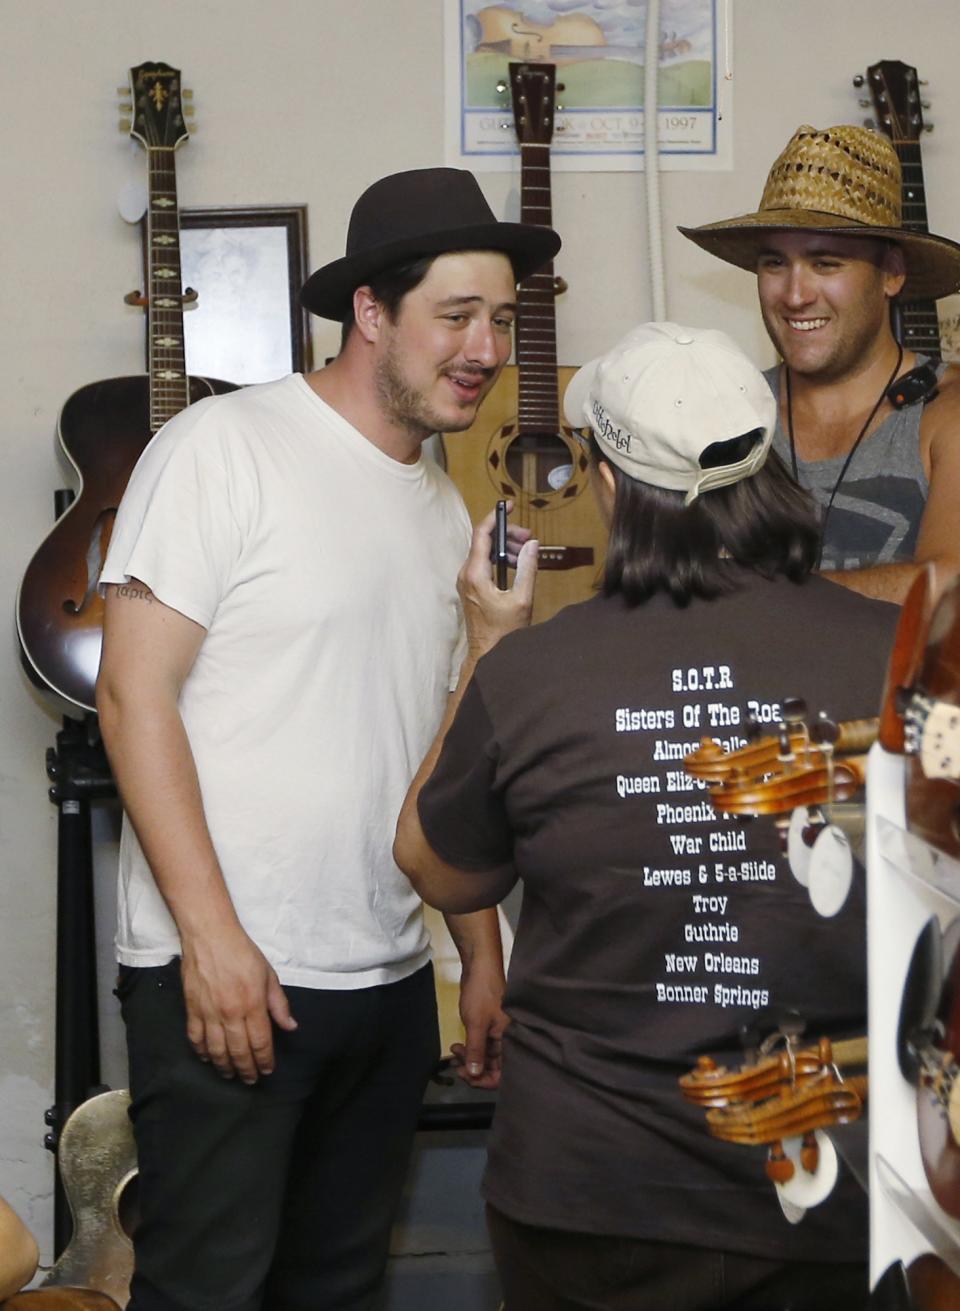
156,104
533,88
895,97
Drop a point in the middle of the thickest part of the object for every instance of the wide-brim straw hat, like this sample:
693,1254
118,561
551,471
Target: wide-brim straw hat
424,211
842,180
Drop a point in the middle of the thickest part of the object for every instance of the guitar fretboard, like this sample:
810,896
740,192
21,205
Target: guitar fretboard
169,386
921,326
538,408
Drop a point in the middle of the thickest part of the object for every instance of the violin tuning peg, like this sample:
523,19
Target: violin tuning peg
791,1024
810,1153
825,730
779,1167
794,709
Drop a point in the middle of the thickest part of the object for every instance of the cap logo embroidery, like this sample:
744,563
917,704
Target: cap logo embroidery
606,429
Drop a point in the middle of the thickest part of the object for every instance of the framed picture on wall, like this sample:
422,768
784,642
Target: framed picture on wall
247,265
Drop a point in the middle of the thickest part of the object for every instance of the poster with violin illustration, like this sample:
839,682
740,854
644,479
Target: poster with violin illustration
599,50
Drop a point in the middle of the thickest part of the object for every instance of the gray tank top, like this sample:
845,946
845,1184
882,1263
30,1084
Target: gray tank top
876,512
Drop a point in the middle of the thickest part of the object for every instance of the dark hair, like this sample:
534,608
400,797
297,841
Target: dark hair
765,522
390,287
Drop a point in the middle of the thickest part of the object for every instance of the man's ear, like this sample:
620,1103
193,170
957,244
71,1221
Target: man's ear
894,268
368,313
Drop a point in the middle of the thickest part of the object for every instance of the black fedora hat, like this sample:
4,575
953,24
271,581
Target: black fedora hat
425,211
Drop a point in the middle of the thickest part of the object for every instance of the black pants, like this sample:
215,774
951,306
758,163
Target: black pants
278,1195
551,1270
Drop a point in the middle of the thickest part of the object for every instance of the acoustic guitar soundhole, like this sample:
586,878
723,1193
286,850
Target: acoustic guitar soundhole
539,462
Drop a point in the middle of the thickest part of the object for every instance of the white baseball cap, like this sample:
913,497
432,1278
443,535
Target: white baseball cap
663,395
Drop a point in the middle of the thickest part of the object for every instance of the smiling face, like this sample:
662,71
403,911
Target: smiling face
825,299
443,351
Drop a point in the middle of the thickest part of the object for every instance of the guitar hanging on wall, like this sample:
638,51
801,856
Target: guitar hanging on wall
104,426
518,449
895,96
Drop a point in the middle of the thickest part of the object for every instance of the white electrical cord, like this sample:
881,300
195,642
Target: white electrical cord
651,161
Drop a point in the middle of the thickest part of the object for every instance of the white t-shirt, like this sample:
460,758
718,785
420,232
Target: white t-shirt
325,575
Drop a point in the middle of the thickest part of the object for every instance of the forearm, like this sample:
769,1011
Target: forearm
18,1252
884,582
891,582
157,779
477,939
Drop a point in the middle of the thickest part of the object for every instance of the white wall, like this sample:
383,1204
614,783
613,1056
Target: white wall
308,101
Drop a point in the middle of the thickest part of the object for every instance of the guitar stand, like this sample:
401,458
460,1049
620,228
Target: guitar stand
79,774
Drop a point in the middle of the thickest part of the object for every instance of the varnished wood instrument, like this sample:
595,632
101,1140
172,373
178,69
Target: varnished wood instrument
518,449
104,426
921,711
787,1091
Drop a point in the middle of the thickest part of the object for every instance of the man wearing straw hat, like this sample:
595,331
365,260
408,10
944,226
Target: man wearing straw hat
857,422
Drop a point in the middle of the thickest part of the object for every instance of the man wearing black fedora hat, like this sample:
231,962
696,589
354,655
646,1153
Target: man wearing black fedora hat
857,423
282,629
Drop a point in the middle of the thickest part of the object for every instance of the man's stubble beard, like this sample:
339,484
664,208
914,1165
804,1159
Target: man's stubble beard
404,405
848,350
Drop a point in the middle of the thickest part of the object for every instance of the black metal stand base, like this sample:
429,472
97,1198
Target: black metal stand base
79,773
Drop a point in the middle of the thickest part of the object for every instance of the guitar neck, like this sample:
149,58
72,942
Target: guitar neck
169,385
921,326
539,401
894,88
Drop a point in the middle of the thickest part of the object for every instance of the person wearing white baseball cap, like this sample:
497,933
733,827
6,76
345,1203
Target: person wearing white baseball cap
651,929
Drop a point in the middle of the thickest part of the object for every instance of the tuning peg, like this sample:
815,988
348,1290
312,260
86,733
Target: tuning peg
561,86
864,104
187,93
124,126
794,709
123,90
923,82
868,122
189,111
504,126
126,106
501,86
928,127
924,104
858,79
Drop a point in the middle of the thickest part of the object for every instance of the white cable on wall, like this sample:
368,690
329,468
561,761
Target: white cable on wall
651,161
